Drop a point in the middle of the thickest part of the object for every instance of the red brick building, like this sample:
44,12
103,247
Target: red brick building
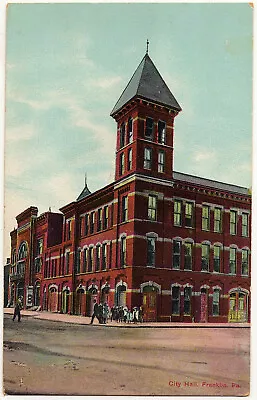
177,244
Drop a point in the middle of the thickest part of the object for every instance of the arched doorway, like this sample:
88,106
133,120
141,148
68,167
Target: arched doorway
80,300
105,294
238,306
91,296
150,303
37,294
65,300
53,299
121,295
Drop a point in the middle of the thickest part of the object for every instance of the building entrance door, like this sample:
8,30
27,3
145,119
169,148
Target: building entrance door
204,306
238,307
65,301
91,297
150,303
53,300
80,298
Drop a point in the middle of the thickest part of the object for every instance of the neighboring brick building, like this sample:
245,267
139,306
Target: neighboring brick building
175,243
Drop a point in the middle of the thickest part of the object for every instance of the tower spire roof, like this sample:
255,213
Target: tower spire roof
148,84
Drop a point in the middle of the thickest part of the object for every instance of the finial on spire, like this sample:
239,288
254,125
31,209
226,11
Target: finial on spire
85,179
147,45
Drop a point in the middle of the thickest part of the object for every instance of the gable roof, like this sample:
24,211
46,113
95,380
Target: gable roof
147,83
85,192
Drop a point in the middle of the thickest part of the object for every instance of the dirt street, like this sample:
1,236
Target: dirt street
45,357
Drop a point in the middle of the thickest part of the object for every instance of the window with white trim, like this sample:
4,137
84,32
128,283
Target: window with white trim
92,222
216,302
150,251
149,125
205,257
86,227
123,252
175,300
152,207
176,254
245,223
161,132
85,260
129,159
124,209
233,222
177,212
130,130
189,214
216,258
147,158
205,218
122,135
98,255
99,219
105,218
122,163
245,262
104,256
232,260
187,300
67,262
188,247
90,259
217,220
161,161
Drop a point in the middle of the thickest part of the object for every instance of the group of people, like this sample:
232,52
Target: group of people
103,312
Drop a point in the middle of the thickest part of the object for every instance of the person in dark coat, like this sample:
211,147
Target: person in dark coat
95,312
17,310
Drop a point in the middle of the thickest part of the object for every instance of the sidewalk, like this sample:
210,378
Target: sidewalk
77,319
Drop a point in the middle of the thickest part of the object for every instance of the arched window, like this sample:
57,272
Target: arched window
130,130
122,135
23,250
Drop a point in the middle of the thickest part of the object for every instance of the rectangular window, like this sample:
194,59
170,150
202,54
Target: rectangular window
177,213
232,261
152,207
188,256
99,219
161,161
122,163
205,257
206,218
216,302
147,158
85,260
86,225
150,252
233,220
187,300
123,252
216,260
90,259
122,135
98,255
78,261
92,222
39,246
104,256
176,300
80,226
149,124
110,254
67,262
176,254
129,159
124,209
245,262
161,132
244,224
105,220
189,215
69,230
130,130
217,220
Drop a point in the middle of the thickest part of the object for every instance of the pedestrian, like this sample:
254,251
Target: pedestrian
140,314
17,310
95,312
100,313
105,313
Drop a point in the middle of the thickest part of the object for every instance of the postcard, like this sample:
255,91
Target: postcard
128,199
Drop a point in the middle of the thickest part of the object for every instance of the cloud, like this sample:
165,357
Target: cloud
203,155
20,133
106,83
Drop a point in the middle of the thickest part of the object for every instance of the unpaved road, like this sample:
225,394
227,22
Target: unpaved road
45,357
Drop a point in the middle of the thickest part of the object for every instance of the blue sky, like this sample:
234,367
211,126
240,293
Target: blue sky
66,66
